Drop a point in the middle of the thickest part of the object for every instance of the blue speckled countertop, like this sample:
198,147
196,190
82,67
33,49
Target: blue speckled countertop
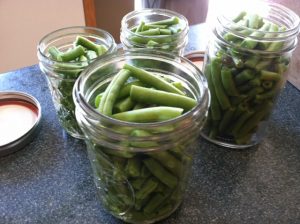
50,180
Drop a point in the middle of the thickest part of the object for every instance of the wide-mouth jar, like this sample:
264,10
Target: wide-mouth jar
246,65
61,75
140,178
159,29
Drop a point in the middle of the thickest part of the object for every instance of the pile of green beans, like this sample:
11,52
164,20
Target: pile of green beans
160,34
68,65
243,82
142,185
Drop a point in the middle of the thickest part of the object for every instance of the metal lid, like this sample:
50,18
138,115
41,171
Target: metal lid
20,116
197,57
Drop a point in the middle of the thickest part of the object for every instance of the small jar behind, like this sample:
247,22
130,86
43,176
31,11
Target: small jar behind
141,169
159,29
62,74
246,65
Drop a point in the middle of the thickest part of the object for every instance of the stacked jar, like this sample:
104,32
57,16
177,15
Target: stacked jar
158,29
246,66
62,55
141,163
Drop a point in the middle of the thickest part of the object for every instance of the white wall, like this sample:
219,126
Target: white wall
24,22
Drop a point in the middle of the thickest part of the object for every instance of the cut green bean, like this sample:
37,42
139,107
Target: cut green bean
151,96
148,187
216,79
114,90
228,83
151,79
170,21
100,49
214,106
123,105
125,90
72,54
161,173
55,53
150,114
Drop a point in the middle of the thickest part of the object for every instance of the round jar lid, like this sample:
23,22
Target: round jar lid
20,116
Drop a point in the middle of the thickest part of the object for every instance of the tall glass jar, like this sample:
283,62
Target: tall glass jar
61,76
140,178
145,29
246,65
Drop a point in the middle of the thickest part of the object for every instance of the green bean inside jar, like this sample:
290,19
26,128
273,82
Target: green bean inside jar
141,117
158,29
63,54
246,67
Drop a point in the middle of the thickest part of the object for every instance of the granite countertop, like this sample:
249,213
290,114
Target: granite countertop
50,180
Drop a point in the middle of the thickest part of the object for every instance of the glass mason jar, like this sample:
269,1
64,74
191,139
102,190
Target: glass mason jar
61,76
140,169
161,36
246,66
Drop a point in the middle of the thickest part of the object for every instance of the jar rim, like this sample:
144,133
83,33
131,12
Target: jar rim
70,28
289,34
156,11
79,97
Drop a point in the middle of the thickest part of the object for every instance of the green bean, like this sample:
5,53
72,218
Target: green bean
251,62
125,90
214,106
253,121
118,169
151,32
149,26
249,43
114,90
216,79
239,123
244,76
170,21
178,85
91,54
55,53
152,43
263,65
267,84
148,187
151,96
266,95
255,21
226,120
100,49
72,54
268,75
138,183
150,114
154,202
123,105
239,17
142,144
133,167
138,106
165,31
161,173
140,27
169,161
228,83
98,99
151,79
